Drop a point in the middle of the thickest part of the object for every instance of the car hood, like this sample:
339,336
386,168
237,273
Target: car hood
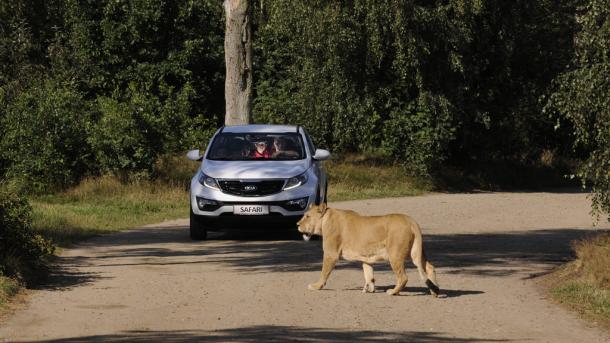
253,169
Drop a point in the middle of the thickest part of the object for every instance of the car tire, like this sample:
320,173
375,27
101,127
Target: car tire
198,232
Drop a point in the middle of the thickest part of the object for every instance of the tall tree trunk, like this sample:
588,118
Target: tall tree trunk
238,59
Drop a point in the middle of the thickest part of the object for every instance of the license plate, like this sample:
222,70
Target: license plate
251,210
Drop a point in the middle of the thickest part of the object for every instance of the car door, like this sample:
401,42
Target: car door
318,169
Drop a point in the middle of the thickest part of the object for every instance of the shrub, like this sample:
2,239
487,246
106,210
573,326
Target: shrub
23,254
416,136
134,130
582,99
43,141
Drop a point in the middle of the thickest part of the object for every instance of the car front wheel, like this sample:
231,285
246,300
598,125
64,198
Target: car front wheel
197,230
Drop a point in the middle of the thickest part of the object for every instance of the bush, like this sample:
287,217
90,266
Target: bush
582,99
417,135
23,254
433,82
44,137
136,129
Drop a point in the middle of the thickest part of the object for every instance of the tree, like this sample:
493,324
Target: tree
582,99
238,59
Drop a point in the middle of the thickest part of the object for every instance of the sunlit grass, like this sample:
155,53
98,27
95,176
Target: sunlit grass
587,298
361,179
106,204
584,284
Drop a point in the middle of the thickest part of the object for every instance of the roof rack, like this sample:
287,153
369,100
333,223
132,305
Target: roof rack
298,127
221,128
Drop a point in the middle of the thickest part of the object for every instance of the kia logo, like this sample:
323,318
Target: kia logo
250,188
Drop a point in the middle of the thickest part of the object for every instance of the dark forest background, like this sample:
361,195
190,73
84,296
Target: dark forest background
90,87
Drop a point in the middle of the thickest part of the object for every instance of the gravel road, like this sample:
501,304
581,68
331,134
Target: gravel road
154,284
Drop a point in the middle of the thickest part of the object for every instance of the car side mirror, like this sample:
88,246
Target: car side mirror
321,155
193,155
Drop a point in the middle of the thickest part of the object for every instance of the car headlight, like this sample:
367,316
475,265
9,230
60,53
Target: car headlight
296,204
296,181
207,204
207,181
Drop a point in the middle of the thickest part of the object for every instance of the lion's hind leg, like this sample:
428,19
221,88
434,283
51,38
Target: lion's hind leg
427,273
431,281
369,280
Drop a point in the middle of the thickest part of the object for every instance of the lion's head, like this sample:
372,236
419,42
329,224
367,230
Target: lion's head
311,223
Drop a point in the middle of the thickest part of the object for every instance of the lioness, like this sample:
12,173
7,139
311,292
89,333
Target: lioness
368,239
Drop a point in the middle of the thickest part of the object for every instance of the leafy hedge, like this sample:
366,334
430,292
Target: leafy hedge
427,83
582,102
92,87
45,127
23,254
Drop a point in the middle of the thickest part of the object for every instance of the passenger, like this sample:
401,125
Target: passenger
261,151
280,148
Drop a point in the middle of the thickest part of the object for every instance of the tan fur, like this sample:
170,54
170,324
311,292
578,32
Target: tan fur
368,239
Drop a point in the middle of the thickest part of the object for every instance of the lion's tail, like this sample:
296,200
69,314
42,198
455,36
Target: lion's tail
425,268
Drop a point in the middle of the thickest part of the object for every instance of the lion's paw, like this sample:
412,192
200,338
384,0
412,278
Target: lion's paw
315,286
392,292
368,288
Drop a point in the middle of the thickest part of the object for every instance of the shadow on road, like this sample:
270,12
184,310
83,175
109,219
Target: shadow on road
272,334
492,255
502,254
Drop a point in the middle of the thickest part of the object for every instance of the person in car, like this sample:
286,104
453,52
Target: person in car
261,150
280,149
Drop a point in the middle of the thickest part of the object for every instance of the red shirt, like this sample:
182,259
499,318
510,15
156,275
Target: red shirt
265,154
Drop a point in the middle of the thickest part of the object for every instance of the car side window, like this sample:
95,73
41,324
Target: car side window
312,148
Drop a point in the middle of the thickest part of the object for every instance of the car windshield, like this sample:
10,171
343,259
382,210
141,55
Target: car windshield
257,146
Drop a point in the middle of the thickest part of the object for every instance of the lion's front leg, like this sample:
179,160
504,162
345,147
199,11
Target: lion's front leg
327,266
369,280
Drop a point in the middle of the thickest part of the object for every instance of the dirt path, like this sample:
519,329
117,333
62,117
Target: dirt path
154,284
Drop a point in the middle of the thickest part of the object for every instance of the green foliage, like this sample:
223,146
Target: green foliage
8,288
417,137
45,126
98,86
582,99
431,82
133,130
22,252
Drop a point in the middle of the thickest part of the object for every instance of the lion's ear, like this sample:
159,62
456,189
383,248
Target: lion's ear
322,208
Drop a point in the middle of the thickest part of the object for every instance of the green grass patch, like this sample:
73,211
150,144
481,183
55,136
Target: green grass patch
584,284
586,298
105,205
8,288
359,178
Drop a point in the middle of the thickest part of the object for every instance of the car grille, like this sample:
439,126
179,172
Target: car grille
251,188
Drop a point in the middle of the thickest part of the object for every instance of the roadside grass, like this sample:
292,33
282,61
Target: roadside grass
8,288
107,204
357,177
584,284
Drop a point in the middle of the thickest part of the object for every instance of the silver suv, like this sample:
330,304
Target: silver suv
255,176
